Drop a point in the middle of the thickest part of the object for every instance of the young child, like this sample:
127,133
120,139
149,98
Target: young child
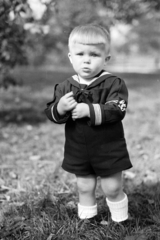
92,104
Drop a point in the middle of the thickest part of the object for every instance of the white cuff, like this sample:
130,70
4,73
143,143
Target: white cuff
119,210
98,114
85,212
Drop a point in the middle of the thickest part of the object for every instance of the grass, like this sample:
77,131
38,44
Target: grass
38,199
42,215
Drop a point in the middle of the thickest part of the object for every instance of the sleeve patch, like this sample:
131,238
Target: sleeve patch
122,105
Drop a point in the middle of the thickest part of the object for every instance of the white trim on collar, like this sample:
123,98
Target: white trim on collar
82,81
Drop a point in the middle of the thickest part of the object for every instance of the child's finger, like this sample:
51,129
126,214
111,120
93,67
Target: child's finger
74,109
73,104
72,101
70,94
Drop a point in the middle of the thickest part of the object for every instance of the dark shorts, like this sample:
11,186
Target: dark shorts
99,150
100,163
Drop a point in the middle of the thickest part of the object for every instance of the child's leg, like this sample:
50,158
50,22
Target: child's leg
116,199
87,207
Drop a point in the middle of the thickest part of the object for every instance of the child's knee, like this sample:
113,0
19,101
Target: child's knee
112,189
86,185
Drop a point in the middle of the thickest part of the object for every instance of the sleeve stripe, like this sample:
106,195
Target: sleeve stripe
115,101
52,113
98,114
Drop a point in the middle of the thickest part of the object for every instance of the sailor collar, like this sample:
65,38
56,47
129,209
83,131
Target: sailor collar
74,80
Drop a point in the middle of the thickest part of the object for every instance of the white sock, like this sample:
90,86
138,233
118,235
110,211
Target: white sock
85,212
119,210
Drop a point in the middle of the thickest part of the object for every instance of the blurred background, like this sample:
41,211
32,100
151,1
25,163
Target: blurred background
34,190
33,57
35,32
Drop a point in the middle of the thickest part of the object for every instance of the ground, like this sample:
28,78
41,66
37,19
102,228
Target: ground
31,147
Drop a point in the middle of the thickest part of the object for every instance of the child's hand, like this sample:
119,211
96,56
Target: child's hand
80,111
66,103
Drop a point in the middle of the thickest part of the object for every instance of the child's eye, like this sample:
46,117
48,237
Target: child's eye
94,55
79,54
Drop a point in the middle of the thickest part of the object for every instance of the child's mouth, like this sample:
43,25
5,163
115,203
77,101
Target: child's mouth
86,70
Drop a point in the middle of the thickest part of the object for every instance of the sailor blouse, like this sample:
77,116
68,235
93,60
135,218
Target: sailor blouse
98,138
107,98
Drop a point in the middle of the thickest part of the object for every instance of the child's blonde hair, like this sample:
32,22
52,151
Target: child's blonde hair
90,34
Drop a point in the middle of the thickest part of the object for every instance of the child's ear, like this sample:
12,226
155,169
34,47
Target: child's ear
107,59
70,58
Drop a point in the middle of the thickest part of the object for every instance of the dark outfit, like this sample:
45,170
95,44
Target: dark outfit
94,145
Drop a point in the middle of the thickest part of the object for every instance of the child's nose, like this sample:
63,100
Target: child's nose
87,59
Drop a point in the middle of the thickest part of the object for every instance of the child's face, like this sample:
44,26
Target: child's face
88,60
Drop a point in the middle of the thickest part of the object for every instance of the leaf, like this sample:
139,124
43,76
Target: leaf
129,175
150,178
29,128
156,218
35,157
13,175
71,204
4,198
50,237
103,222
151,201
17,204
4,189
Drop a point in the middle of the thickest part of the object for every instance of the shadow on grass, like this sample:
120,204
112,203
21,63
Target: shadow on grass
39,79
22,116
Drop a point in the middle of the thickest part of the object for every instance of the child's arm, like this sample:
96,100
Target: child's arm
114,108
59,109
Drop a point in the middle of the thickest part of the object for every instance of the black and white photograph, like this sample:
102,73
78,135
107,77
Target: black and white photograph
79,120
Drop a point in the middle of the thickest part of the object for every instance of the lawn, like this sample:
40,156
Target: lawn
38,199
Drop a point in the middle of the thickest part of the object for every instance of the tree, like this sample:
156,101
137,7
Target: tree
13,15
130,10
57,21
62,15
